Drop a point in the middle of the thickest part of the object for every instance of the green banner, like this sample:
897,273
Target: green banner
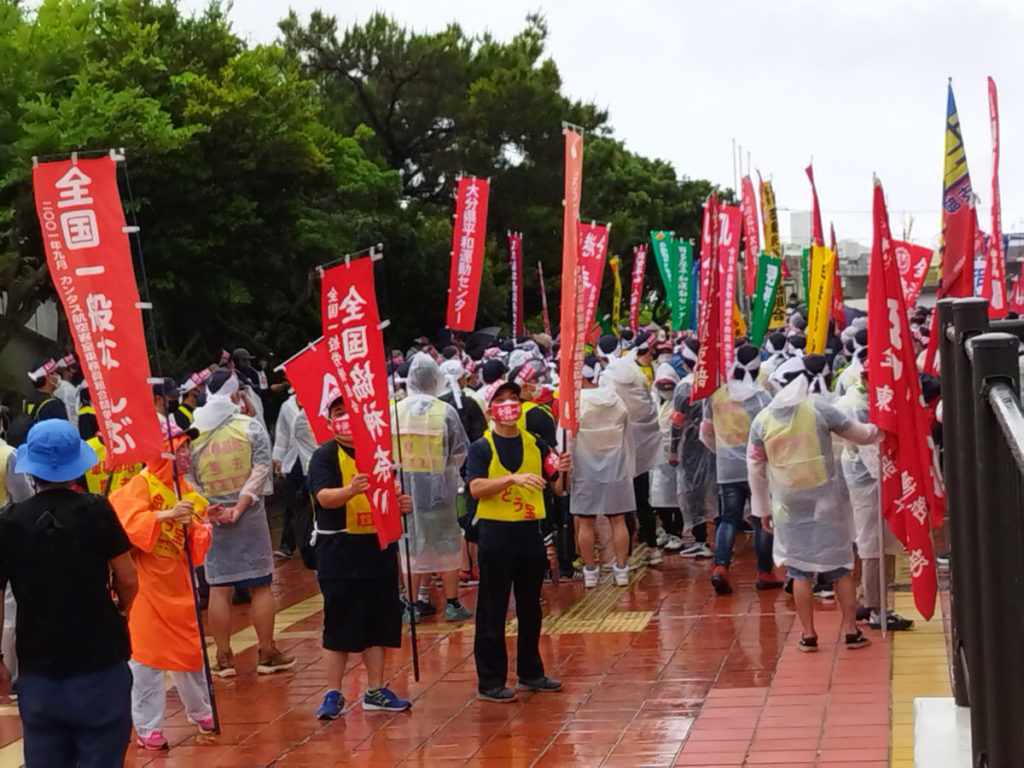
805,265
769,280
667,259
683,271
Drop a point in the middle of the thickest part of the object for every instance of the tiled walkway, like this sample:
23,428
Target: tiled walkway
662,673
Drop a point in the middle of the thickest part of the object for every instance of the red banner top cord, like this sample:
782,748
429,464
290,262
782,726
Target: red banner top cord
468,237
90,262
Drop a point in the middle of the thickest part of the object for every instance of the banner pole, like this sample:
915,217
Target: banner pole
883,587
193,579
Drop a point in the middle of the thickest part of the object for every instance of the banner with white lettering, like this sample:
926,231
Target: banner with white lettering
515,266
90,262
315,381
469,235
752,245
913,261
706,369
636,286
543,300
572,322
730,221
593,244
355,348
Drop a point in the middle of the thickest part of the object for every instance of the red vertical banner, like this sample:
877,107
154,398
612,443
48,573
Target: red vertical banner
593,244
995,263
913,261
515,265
1016,299
90,262
315,381
838,308
355,349
729,223
818,233
543,300
572,323
911,492
705,370
636,286
750,236
469,234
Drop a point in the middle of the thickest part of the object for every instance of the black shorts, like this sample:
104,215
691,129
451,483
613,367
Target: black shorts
361,614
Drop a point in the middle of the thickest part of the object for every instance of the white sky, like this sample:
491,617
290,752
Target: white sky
860,85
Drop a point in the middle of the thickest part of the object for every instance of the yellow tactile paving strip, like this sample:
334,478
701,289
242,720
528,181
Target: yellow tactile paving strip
919,668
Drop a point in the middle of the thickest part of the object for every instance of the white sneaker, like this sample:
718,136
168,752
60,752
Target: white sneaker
621,575
591,576
654,556
662,537
697,549
673,544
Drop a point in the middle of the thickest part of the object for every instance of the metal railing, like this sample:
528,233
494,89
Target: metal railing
983,467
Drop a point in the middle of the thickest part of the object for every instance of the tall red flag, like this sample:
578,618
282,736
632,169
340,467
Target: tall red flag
572,323
729,222
838,308
543,300
818,234
750,236
316,385
468,238
705,370
994,284
90,263
911,492
636,286
355,348
515,264
913,261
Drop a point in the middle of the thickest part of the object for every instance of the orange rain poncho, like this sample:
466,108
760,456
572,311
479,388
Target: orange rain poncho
162,621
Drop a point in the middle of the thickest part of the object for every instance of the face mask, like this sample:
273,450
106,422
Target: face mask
183,461
507,412
341,426
664,394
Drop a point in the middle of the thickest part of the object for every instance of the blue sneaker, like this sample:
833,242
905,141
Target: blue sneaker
384,699
331,707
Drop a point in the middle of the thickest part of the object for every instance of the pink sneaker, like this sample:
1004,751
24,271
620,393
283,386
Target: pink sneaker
154,742
206,726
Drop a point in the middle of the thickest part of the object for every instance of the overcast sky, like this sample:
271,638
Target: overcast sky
859,85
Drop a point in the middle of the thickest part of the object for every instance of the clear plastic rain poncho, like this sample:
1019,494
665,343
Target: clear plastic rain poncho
433,446
602,456
728,414
625,378
666,480
231,458
794,478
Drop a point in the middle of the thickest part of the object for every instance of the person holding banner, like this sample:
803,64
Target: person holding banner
728,414
162,622
231,462
506,472
795,489
358,579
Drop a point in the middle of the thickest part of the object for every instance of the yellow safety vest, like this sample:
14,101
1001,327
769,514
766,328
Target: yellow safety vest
96,478
224,458
5,453
794,453
30,408
527,407
422,443
171,541
730,420
86,409
648,372
358,517
186,411
514,503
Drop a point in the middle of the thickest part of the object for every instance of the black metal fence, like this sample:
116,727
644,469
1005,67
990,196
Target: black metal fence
983,466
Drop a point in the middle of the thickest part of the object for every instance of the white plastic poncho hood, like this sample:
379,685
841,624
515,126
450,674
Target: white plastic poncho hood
424,377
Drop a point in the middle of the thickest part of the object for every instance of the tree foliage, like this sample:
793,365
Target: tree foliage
250,165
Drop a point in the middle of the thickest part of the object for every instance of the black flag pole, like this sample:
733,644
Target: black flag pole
146,303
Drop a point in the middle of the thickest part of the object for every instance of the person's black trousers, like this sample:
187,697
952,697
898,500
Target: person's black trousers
294,498
647,531
501,574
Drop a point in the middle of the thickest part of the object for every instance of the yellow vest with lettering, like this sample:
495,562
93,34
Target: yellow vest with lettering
224,458
422,438
514,504
96,478
794,452
729,419
171,541
358,517
5,453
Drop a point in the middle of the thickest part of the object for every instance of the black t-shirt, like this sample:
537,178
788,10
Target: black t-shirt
540,422
473,419
344,555
54,550
46,406
523,537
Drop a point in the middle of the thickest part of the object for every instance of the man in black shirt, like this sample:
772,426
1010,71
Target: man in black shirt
63,554
358,579
43,404
506,473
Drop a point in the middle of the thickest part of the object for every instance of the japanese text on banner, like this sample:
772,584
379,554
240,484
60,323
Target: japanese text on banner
316,386
469,235
593,243
573,325
356,352
705,370
90,263
636,286
515,265
728,254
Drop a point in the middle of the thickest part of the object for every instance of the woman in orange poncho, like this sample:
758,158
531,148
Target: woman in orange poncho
162,621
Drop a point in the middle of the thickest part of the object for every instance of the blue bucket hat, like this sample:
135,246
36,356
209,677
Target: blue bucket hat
54,452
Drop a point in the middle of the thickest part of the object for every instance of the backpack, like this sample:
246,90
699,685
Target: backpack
22,423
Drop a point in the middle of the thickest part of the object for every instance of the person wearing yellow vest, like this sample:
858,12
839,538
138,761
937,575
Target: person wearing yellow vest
358,579
795,489
103,481
725,429
506,473
162,622
433,445
231,462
